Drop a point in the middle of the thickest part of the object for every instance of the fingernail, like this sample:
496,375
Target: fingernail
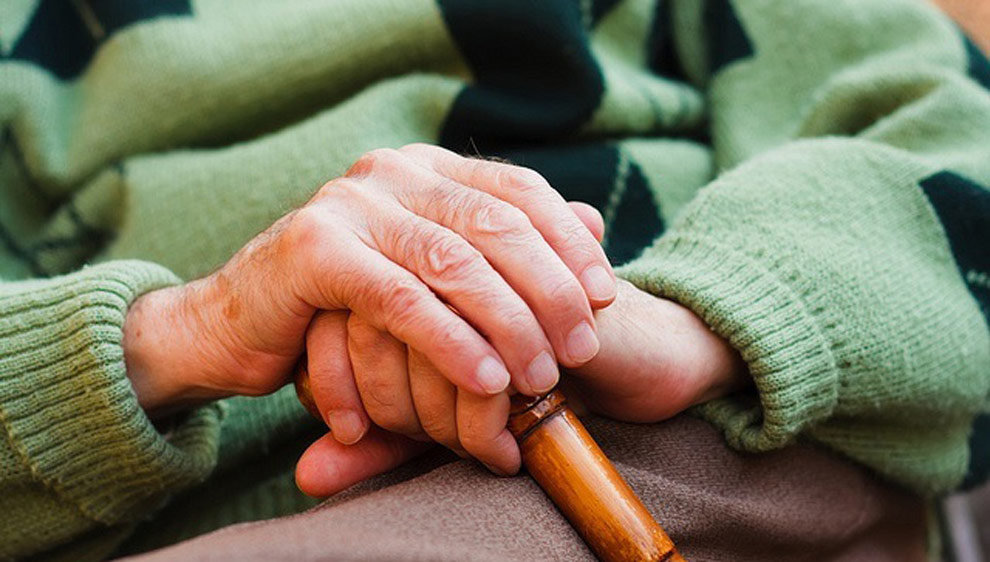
492,375
542,372
582,344
346,426
598,283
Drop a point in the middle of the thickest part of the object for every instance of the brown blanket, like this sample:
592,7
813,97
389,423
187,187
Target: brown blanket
800,503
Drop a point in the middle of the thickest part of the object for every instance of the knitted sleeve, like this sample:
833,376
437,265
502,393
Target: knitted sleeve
845,248
76,449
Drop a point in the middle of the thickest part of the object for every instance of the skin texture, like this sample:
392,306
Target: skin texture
641,374
417,287
444,268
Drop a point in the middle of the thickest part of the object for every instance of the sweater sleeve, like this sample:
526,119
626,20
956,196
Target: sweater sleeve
77,452
844,249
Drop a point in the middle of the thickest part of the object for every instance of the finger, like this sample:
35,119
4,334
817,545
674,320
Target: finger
381,374
518,253
462,276
395,301
331,379
481,422
328,466
590,217
435,400
546,209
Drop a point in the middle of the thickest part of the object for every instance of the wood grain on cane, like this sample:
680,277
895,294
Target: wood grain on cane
566,462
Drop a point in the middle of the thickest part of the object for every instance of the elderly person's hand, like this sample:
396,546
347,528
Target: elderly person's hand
657,358
481,267
357,372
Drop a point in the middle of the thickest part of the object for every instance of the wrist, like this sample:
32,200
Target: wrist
161,351
657,359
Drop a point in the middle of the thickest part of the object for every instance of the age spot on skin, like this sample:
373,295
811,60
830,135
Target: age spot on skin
231,308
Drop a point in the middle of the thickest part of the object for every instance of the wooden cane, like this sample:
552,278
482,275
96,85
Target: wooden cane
565,461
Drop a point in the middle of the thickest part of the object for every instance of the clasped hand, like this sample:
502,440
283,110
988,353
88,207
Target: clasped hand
422,288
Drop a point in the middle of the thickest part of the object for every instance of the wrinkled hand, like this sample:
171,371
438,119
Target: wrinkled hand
366,375
657,359
480,267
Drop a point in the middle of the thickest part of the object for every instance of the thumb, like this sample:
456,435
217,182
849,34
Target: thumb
328,466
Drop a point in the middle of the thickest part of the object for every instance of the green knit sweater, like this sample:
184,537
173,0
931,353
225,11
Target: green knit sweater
809,176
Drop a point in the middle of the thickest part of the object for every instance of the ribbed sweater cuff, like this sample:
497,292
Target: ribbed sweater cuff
66,402
743,299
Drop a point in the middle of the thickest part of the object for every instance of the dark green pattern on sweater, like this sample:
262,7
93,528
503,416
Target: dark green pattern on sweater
727,40
598,174
82,243
636,221
979,453
536,78
62,35
601,7
963,207
661,50
979,66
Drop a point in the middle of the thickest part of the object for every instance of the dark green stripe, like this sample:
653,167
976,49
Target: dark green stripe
979,66
600,8
579,172
588,173
10,143
727,40
536,78
62,39
15,249
662,55
963,207
637,221
979,453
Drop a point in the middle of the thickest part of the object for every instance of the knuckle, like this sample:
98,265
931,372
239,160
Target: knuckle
576,235
446,334
449,256
385,409
495,218
400,297
364,338
378,397
306,229
472,439
378,160
377,394
562,293
516,322
517,178
437,423
339,187
418,148
447,198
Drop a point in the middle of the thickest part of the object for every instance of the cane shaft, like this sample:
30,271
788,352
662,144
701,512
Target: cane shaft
566,462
